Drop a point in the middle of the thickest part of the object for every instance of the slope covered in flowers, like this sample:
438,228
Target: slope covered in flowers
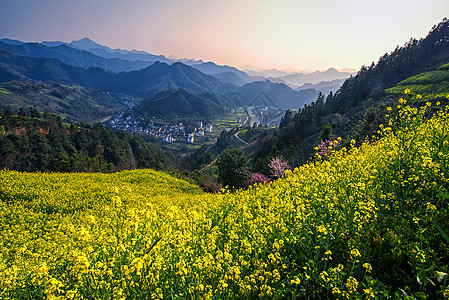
365,223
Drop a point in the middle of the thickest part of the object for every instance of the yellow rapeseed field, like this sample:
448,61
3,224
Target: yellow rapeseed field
367,222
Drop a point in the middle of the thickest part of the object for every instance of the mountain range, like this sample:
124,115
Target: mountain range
306,80
142,83
87,53
125,73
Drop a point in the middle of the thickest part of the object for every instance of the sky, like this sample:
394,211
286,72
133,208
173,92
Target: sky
301,35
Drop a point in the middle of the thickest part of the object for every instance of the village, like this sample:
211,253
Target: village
168,133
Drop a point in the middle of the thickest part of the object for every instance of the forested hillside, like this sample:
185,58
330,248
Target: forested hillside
70,102
47,144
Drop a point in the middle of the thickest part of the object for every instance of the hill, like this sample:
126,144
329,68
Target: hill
72,103
178,103
368,222
213,69
47,144
281,94
431,86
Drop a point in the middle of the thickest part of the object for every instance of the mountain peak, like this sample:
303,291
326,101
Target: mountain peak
86,44
11,42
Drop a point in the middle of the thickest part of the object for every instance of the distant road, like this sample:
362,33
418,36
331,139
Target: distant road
237,136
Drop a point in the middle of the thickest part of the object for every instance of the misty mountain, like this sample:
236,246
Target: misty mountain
75,57
11,42
298,79
86,44
267,73
160,76
211,68
145,82
324,86
15,67
107,52
282,95
54,43
230,77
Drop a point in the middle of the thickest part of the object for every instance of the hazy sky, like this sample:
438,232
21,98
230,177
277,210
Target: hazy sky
286,34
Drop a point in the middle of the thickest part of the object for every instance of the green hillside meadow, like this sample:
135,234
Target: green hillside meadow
364,223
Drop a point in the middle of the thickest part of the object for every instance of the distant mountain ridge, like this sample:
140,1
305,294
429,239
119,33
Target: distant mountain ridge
74,56
74,64
297,79
324,86
87,53
107,52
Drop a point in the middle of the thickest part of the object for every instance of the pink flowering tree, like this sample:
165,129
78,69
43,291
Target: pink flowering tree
325,147
259,178
278,166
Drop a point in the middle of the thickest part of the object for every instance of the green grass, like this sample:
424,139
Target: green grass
3,91
431,86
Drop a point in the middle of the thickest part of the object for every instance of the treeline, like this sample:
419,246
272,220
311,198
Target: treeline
31,142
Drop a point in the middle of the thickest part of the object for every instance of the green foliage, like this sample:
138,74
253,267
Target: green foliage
73,103
326,133
233,169
31,144
430,86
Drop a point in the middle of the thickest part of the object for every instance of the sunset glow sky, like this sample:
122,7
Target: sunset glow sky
285,34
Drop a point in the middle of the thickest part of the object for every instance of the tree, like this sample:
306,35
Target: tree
278,166
8,112
34,113
286,119
233,169
22,112
326,132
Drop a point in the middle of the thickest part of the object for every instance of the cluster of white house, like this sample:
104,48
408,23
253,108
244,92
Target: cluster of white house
167,133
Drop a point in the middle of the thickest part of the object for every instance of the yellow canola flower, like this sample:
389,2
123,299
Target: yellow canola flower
368,267
355,253
164,237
